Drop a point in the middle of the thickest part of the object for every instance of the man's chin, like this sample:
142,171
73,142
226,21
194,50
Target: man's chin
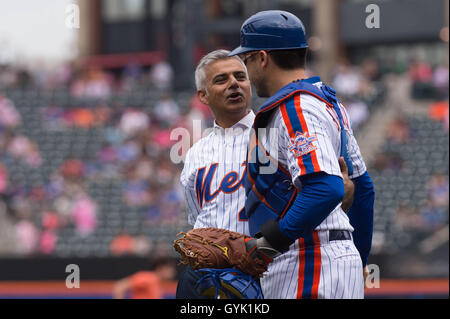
237,107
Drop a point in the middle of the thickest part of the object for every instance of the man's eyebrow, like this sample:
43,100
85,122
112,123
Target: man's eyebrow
219,75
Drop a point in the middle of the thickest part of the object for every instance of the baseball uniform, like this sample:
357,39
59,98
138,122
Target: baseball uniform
307,141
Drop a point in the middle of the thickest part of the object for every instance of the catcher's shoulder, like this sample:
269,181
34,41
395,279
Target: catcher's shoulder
304,104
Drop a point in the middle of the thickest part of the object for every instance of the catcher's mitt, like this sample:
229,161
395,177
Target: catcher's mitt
217,248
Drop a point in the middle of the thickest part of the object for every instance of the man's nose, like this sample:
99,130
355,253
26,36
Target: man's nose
233,82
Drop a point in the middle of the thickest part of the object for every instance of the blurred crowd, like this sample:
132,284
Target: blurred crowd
135,149
16,145
431,216
360,89
413,165
428,82
89,82
36,212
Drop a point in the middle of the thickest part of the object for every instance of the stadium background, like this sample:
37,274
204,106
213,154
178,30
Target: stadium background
85,172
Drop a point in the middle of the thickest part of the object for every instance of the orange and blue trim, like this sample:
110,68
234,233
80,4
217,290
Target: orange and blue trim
294,120
309,267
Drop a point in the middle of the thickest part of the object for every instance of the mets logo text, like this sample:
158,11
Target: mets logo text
302,144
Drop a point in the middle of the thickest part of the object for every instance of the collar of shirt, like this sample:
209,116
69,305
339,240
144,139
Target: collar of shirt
245,123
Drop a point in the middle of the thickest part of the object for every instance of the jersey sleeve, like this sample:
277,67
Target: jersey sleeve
187,180
307,138
359,167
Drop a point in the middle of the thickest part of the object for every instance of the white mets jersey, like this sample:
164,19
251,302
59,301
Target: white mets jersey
213,178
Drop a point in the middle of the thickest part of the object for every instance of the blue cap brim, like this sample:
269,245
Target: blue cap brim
239,50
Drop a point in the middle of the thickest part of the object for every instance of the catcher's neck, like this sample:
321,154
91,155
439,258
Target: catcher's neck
280,78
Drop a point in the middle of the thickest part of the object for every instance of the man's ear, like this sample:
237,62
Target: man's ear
264,58
202,96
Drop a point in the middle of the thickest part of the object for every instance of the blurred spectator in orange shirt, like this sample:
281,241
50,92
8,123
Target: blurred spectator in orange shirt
72,168
122,244
83,117
438,110
146,284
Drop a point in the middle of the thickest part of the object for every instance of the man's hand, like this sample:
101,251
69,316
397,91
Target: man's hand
348,185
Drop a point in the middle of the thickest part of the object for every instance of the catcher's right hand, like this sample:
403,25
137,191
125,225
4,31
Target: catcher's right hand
261,249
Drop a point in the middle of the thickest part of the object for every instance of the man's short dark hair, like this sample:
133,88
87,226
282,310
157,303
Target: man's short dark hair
289,59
